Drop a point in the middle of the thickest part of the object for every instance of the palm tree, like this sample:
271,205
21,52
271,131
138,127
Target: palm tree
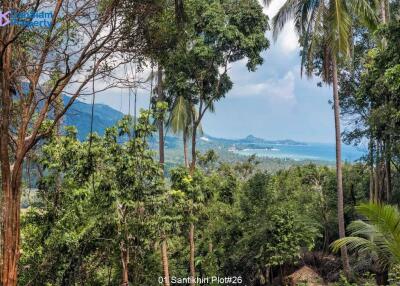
181,121
158,75
378,236
325,28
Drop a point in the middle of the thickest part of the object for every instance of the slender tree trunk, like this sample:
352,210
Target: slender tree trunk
185,149
371,185
191,257
388,18
11,182
165,264
371,171
377,188
125,262
161,144
384,16
210,247
388,169
339,176
194,134
376,174
11,233
325,247
59,105
380,173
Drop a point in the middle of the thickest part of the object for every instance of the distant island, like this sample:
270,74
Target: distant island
271,152
252,142
105,116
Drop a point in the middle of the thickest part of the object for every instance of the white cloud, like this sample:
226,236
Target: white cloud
278,90
287,40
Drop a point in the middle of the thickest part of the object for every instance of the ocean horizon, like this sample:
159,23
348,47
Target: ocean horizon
307,151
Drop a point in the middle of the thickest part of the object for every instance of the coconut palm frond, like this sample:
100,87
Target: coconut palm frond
179,116
211,107
385,218
356,244
364,246
310,35
378,235
362,229
284,15
366,11
323,25
341,23
304,14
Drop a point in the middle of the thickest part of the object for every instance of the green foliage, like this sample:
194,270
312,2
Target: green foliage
265,228
216,34
344,282
106,197
378,236
94,198
394,275
369,93
247,225
380,85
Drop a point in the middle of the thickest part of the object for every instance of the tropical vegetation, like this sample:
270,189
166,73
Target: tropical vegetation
109,209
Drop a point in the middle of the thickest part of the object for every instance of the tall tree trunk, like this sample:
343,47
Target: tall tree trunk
161,144
165,264
388,16
377,174
384,10
380,172
11,182
388,181
124,262
371,171
161,147
11,232
59,105
185,148
387,171
377,195
371,184
194,134
384,18
339,176
191,256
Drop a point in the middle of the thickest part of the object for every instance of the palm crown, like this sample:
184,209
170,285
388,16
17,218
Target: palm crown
326,23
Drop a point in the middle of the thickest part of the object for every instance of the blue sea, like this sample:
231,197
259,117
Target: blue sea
308,151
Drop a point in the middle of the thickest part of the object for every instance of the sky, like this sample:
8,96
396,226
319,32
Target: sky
273,102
